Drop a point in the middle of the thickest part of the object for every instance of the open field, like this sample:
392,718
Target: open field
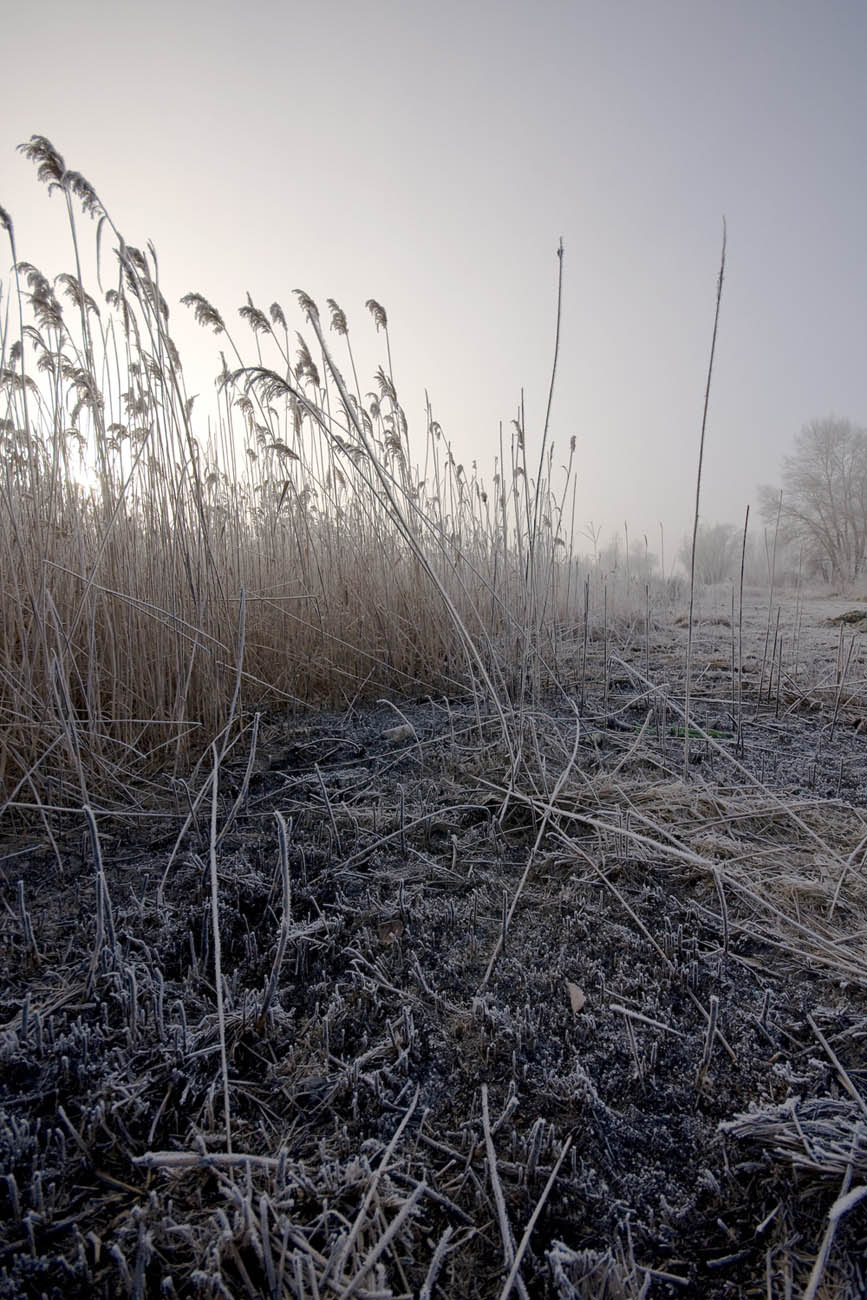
375,923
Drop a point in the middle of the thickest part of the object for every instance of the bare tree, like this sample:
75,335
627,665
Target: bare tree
824,503
717,552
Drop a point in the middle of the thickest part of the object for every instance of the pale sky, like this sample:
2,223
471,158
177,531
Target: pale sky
430,155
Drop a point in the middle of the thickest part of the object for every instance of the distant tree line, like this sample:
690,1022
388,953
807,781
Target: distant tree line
815,522
717,557
812,526
719,548
822,501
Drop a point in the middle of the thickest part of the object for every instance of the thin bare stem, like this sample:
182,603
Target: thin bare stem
218,961
695,520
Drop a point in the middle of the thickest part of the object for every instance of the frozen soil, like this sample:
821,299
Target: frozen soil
658,1065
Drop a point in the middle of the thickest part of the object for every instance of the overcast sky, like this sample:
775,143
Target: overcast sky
431,154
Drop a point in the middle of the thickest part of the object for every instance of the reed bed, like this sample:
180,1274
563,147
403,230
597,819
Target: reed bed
168,570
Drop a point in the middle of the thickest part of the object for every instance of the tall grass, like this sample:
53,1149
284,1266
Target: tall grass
282,549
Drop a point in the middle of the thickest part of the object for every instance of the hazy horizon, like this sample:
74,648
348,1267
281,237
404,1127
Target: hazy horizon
433,159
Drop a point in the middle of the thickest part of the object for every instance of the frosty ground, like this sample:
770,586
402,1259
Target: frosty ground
601,1034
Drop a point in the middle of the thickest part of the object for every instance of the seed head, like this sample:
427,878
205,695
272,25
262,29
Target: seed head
377,311
205,314
338,317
